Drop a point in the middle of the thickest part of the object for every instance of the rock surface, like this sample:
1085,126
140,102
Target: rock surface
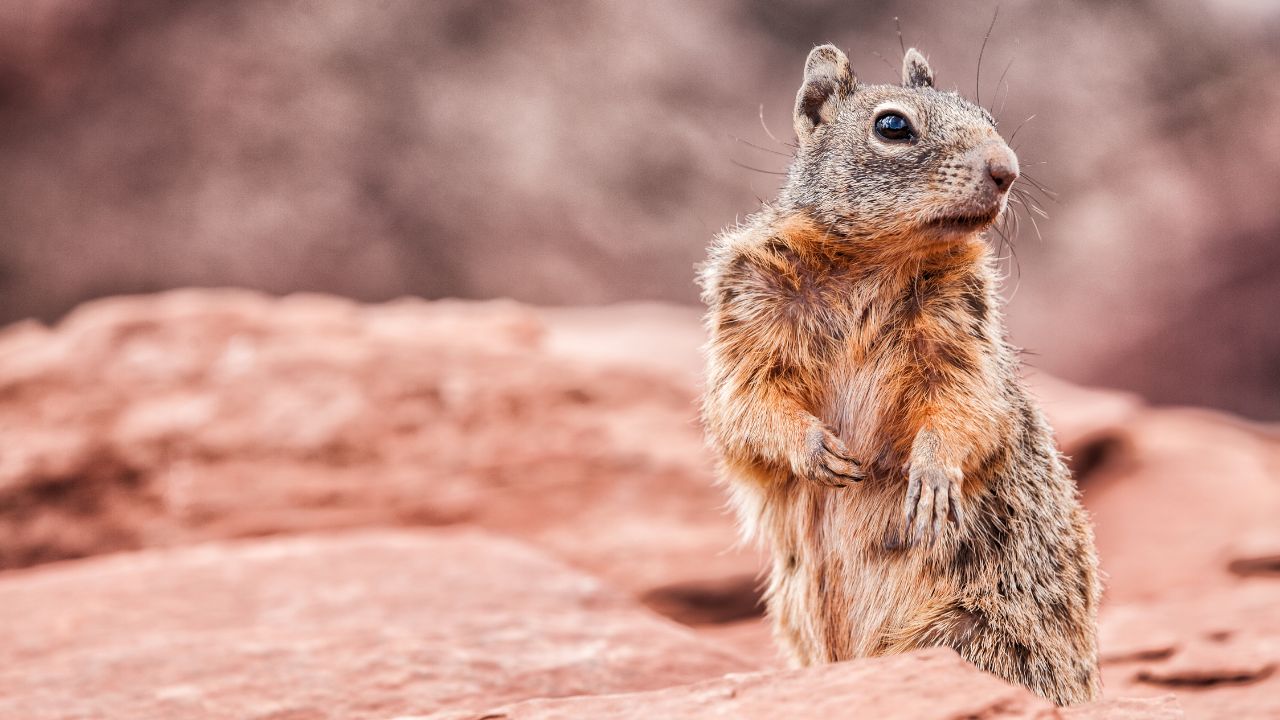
1178,501
149,421
370,624
198,416
1219,650
927,685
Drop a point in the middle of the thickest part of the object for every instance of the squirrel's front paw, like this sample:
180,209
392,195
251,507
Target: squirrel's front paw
933,500
827,460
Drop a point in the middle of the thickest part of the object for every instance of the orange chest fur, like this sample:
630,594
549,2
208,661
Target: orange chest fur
891,348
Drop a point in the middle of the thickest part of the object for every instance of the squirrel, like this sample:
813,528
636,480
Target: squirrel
867,410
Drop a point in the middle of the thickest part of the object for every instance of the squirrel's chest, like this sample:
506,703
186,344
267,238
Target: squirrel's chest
857,392
870,370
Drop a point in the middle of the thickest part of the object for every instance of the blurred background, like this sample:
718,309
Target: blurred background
584,153
222,503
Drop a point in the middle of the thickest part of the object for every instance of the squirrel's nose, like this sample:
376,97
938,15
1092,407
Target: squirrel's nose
1002,167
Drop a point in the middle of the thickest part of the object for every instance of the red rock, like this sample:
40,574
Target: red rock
353,625
922,685
1170,510
925,684
1256,554
149,421
1203,663
751,640
196,415
1217,650
1131,632
1219,701
1082,415
1163,707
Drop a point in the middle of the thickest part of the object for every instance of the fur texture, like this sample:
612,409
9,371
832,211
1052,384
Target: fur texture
868,413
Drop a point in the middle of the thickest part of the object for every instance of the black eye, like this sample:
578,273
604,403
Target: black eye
894,127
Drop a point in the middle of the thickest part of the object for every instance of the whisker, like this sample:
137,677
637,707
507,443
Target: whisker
1031,206
1026,199
901,45
1025,194
999,230
1017,271
1018,214
1050,195
1013,221
760,112
1006,89
1017,263
1029,203
1036,226
977,81
760,147
756,169
1039,185
884,60
1024,122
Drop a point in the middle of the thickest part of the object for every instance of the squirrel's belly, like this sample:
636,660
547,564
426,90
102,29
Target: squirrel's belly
836,591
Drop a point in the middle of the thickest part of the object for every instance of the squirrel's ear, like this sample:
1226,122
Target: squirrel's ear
827,78
915,70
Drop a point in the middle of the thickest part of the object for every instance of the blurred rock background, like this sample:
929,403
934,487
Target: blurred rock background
583,153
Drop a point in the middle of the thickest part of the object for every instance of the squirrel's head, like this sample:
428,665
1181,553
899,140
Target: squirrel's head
888,160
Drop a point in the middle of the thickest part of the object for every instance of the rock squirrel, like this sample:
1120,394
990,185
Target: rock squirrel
855,336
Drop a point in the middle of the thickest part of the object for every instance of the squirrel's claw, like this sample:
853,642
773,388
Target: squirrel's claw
829,461
932,503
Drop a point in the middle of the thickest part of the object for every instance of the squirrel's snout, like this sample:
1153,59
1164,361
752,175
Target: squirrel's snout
1002,166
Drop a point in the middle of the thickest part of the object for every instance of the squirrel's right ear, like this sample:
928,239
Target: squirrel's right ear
827,78
915,70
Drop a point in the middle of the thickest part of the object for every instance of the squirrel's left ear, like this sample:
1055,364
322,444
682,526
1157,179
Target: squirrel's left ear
915,70
827,80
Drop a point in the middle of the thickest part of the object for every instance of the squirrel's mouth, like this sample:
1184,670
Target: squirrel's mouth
965,222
